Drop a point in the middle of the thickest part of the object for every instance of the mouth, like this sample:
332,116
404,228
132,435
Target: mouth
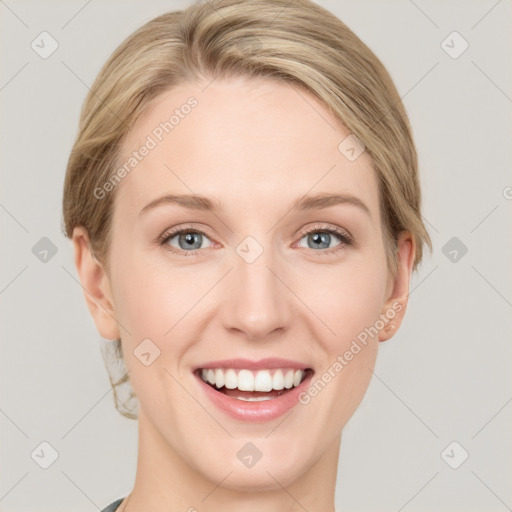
253,386
254,392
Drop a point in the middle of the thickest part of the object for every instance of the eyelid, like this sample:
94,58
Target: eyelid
346,239
172,232
341,232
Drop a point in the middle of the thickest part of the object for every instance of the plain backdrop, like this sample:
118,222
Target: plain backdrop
442,386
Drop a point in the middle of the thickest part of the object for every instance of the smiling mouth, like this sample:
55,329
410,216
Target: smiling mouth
251,385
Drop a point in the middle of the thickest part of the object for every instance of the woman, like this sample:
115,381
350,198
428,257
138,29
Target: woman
244,204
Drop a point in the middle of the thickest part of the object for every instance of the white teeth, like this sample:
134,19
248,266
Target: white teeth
288,379
263,381
278,380
219,378
230,379
247,380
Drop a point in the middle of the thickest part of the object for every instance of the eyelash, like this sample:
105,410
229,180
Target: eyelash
345,238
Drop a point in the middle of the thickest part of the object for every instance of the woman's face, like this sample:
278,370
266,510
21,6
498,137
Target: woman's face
248,283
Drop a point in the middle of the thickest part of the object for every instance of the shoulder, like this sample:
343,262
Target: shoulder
113,506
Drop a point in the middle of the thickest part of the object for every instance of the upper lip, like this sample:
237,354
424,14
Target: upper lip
261,364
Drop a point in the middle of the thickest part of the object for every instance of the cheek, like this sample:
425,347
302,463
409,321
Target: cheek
162,302
151,303
146,298
352,309
351,299
359,305
355,309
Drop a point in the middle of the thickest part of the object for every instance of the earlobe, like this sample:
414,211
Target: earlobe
95,285
396,304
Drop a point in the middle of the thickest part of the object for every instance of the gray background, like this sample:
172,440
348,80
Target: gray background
444,377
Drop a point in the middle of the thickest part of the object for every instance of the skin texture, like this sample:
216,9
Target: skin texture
257,146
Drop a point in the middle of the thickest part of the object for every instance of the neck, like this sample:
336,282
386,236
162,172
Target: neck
164,481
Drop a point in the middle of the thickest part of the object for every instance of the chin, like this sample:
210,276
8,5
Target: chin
280,464
256,479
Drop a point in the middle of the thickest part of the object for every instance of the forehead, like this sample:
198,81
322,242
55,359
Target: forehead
250,142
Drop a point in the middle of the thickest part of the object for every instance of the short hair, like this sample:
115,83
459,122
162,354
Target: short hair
294,42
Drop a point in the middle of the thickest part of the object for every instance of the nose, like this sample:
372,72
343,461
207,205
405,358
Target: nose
257,303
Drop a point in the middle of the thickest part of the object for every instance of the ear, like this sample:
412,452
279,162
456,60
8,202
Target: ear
394,308
95,284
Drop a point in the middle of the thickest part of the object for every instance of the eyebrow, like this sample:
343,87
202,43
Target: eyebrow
307,202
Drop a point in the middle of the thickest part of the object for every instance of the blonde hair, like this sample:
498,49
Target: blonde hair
291,41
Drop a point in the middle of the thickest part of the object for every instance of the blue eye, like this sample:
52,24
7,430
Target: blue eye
186,239
319,238
190,240
323,236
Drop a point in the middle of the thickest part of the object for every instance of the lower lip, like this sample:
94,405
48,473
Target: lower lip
255,412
